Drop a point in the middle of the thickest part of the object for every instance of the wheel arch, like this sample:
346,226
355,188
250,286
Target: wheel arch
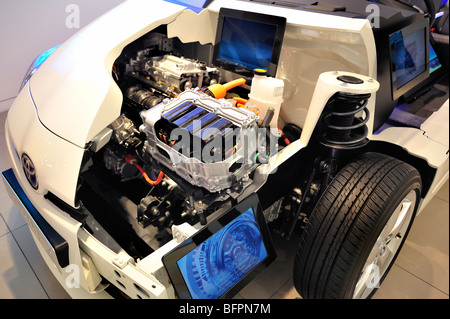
427,172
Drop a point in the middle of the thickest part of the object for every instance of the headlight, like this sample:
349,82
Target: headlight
36,64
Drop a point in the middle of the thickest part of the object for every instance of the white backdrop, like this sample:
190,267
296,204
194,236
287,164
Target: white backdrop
29,27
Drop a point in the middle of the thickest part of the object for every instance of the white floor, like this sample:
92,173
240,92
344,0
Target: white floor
420,272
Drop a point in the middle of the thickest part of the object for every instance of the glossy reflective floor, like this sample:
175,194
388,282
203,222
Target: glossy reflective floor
420,272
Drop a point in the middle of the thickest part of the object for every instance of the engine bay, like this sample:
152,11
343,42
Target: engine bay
186,142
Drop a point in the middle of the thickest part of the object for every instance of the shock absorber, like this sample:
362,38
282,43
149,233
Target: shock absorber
344,129
344,113
341,104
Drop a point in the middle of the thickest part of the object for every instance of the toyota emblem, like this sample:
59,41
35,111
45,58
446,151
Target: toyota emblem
30,171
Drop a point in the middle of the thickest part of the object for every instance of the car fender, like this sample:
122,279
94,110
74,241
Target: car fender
74,92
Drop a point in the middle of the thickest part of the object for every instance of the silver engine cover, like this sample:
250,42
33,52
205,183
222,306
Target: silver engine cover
210,143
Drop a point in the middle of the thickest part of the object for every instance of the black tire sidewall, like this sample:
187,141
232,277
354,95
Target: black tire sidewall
411,182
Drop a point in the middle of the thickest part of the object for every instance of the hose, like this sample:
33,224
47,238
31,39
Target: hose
131,160
219,91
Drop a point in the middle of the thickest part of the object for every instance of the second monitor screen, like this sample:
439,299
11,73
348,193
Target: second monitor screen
247,43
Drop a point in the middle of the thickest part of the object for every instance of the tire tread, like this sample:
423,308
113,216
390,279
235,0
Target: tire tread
341,223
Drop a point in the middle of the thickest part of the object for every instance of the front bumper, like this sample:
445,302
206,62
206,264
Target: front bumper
55,246
99,265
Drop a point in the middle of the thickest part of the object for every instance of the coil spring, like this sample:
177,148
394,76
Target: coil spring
343,129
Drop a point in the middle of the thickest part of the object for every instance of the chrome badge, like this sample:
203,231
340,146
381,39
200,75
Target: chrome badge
30,171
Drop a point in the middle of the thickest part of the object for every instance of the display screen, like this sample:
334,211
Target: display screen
247,43
435,64
409,55
222,260
247,40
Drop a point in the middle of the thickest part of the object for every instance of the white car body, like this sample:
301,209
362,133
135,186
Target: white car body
73,97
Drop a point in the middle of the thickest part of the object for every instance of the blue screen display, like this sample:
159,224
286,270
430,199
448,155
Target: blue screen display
409,55
247,43
223,259
435,64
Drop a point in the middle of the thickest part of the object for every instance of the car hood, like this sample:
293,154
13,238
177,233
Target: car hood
73,90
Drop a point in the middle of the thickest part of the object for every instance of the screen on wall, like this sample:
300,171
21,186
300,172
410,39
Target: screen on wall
247,40
247,43
409,54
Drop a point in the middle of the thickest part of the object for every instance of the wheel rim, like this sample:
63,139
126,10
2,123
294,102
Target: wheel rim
386,247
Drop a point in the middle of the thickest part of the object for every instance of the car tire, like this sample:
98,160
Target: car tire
357,229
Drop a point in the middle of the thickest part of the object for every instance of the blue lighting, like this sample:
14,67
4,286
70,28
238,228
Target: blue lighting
36,64
194,5
44,56
439,14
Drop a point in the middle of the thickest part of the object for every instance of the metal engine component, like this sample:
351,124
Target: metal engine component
114,159
124,131
181,73
162,206
143,97
208,142
272,212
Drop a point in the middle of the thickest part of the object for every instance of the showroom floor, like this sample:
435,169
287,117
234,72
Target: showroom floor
420,272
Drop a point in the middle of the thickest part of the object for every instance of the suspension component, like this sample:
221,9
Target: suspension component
345,130
345,116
